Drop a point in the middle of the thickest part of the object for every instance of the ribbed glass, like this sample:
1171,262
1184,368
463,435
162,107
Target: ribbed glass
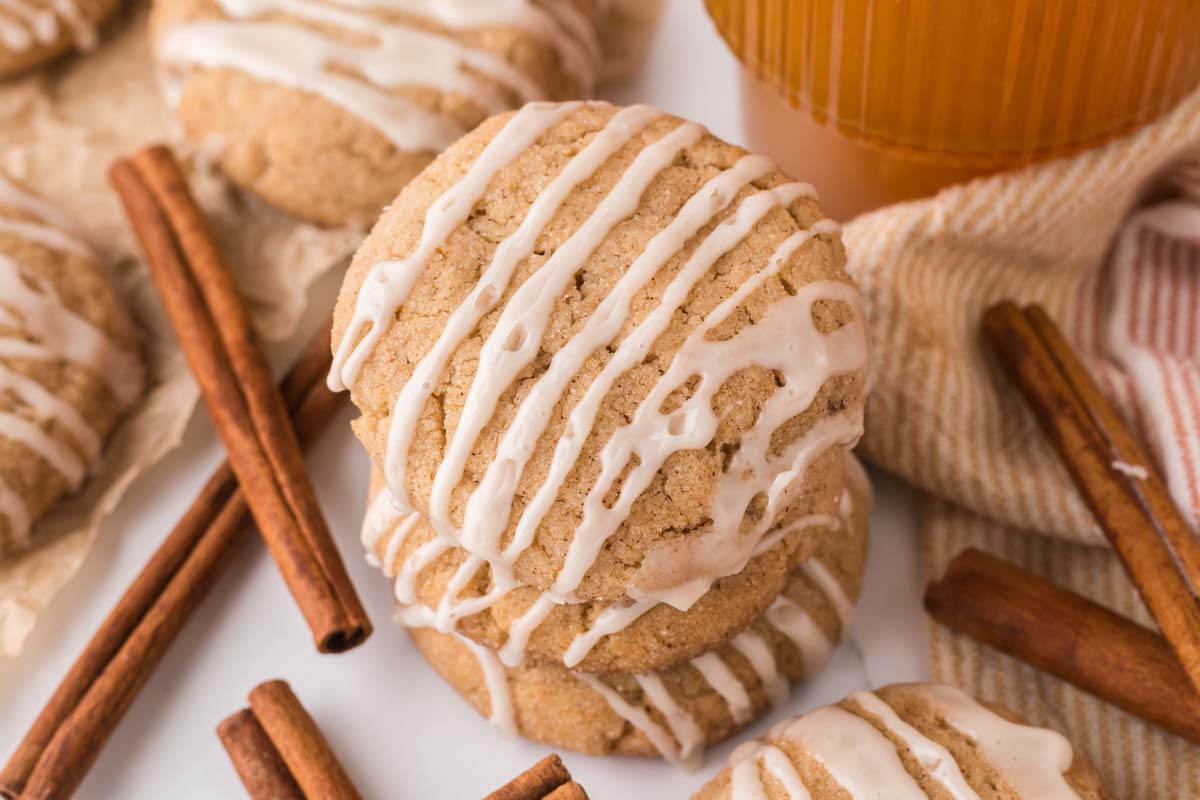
971,81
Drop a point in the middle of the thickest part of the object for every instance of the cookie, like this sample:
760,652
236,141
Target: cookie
604,351
907,741
327,110
674,713
33,32
521,622
69,364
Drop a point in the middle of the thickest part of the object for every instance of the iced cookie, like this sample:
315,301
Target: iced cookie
906,742
605,352
69,364
33,32
677,712
522,622
326,109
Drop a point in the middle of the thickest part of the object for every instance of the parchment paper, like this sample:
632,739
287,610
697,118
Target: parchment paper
59,131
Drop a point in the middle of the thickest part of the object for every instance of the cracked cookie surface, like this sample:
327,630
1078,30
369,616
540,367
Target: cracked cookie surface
611,347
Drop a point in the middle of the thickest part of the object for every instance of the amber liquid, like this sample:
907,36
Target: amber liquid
902,97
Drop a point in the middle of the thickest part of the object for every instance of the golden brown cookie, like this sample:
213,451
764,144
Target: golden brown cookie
677,712
611,348
907,742
33,32
588,636
69,364
327,109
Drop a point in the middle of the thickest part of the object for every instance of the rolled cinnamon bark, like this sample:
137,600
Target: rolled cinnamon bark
300,743
1115,476
206,311
255,758
1057,631
546,779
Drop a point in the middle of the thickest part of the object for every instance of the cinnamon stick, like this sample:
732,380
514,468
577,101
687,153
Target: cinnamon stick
206,310
255,758
69,733
275,744
1114,475
546,779
568,791
1059,632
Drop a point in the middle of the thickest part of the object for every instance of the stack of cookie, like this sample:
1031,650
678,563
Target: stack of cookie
609,369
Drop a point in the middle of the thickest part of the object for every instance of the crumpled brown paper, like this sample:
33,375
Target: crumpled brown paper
61,130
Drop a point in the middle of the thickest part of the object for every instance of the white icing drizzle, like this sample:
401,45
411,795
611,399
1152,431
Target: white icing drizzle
792,621
682,740
746,781
384,519
613,619
560,25
933,758
43,328
756,650
659,736
49,227
516,338
1032,760
831,587
42,234
388,284
603,324
801,629
25,25
50,449
859,758
379,521
362,76
499,694
683,726
406,577
55,332
721,678
45,406
495,679
866,764
725,549
513,651
395,278
16,511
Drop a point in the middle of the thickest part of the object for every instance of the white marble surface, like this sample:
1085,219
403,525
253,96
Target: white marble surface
400,731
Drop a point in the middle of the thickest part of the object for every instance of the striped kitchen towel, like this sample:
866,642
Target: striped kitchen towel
1108,241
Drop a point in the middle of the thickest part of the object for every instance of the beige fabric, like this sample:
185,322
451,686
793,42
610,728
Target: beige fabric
944,417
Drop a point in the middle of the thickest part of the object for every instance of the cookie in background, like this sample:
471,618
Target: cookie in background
34,32
327,110
907,742
69,361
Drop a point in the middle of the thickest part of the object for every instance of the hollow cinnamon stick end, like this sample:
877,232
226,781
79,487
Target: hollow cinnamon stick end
8,792
345,637
535,783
